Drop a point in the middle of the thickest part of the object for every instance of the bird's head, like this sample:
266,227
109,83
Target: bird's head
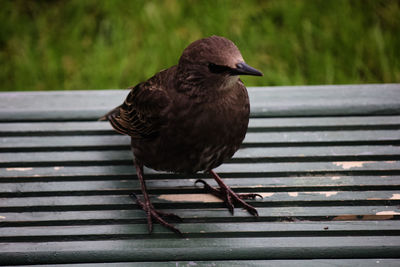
215,59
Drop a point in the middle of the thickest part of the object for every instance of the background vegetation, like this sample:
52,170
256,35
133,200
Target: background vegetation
53,45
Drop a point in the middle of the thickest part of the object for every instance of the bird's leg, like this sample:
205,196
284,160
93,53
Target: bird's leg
228,196
152,213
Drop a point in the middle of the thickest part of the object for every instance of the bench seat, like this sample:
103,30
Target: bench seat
326,159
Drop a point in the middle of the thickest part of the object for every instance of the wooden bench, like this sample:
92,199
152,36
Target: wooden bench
325,158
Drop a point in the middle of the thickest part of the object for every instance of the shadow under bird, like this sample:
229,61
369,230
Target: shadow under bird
189,118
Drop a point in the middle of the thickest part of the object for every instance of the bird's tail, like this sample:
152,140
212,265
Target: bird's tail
110,114
104,118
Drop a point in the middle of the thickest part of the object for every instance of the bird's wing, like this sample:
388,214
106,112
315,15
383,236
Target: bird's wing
140,115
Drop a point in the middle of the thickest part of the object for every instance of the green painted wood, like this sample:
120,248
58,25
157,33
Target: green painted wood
247,263
310,167
310,123
260,124
259,138
264,184
265,101
266,138
201,215
56,128
266,229
101,142
214,248
59,105
325,158
71,142
253,154
388,167
325,100
177,199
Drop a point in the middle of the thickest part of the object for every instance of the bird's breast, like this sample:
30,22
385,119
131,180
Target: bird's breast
198,136
223,117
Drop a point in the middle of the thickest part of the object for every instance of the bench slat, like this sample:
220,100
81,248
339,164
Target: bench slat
204,215
226,170
269,184
57,202
102,142
214,248
247,263
320,153
104,232
270,124
265,101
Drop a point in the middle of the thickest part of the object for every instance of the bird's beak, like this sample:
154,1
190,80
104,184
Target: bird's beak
244,69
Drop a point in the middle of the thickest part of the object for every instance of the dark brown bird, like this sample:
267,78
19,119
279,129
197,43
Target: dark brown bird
189,118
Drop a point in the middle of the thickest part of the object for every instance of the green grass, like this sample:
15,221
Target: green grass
57,45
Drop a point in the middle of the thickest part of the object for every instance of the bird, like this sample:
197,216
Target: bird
189,118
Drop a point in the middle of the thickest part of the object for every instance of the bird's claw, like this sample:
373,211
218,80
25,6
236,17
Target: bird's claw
202,182
170,216
158,216
209,188
230,198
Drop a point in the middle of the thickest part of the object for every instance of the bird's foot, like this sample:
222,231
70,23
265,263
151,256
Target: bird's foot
157,216
231,198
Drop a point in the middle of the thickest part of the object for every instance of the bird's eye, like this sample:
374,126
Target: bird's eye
214,68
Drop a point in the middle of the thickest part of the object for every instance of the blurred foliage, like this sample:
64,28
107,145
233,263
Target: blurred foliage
53,45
